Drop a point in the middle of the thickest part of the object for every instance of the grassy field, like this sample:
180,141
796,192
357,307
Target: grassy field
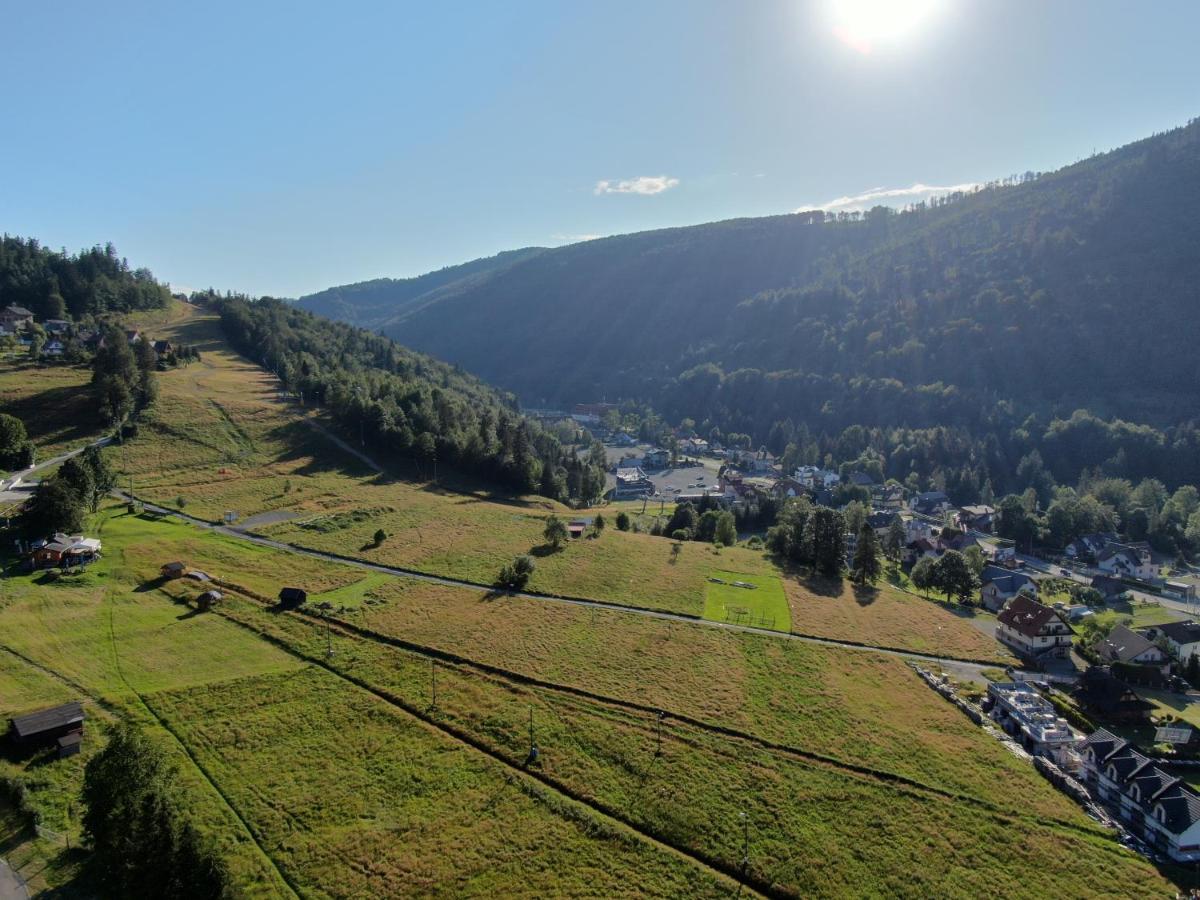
54,403
220,440
344,787
764,605
816,828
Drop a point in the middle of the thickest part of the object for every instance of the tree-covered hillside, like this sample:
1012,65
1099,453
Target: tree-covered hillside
52,284
405,404
377,303
1040,294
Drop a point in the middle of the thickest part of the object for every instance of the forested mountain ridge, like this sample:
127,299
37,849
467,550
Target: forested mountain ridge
377,303
405,404
52,283
1042,294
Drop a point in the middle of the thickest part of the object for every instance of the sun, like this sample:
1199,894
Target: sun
867,24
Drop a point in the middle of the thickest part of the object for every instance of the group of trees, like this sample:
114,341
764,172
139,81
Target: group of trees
809,535
707,523
55,284
403,403
123,376
16,450
143,841
951,574
62,502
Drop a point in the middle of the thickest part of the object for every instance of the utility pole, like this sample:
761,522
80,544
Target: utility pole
533,747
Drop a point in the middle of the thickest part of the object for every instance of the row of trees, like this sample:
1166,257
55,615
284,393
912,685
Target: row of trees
62,502
143,841
408,405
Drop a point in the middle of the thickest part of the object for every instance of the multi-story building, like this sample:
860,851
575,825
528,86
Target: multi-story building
1156,806
1022,711
1032,629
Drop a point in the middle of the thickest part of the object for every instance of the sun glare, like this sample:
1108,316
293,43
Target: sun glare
867,24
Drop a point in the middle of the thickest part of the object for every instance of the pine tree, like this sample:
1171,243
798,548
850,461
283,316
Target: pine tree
866,568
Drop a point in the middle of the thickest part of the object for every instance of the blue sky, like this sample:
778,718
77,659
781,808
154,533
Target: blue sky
284,147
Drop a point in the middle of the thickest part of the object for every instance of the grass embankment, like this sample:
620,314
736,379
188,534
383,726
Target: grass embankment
220,439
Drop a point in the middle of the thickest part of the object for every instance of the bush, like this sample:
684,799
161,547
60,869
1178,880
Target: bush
622,521
380,537
516,574
755,543
681,534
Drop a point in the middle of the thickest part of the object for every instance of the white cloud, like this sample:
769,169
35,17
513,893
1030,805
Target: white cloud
881,196
646,184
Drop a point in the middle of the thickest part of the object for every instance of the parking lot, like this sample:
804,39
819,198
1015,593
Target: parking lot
670,482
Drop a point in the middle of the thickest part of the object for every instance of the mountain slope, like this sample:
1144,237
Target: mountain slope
376,303
1063,290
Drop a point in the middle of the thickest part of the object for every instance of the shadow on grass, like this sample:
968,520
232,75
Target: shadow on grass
541,551
152,585
865,594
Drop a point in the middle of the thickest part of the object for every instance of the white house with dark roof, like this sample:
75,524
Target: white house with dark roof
1157,806
1032,629
1182,638
1129,561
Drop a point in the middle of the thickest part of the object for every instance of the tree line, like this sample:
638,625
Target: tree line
53,284
406,405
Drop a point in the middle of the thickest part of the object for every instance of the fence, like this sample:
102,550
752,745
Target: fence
741,616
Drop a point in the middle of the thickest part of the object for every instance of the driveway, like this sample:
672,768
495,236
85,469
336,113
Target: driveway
11,885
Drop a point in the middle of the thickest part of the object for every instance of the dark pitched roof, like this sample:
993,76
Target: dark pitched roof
17,311
1122,645
1181,632
1181,808
1104,691
1109,586
861,478
1026,615
881,519
1102,743
48,719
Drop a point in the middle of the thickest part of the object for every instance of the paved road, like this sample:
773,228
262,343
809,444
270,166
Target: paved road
14,490
965,668
11,885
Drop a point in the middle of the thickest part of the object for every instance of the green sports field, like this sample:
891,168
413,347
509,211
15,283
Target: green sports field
728,598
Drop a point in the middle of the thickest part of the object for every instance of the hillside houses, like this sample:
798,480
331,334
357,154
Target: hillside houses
1127,560
632,483
1000,585
15,318
1122,645
1160,808
1182,639
1033,630
931,503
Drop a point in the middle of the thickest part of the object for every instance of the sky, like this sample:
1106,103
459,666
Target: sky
280,148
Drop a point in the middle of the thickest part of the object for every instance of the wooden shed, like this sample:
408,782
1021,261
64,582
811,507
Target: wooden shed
50,726
292,596
173,570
